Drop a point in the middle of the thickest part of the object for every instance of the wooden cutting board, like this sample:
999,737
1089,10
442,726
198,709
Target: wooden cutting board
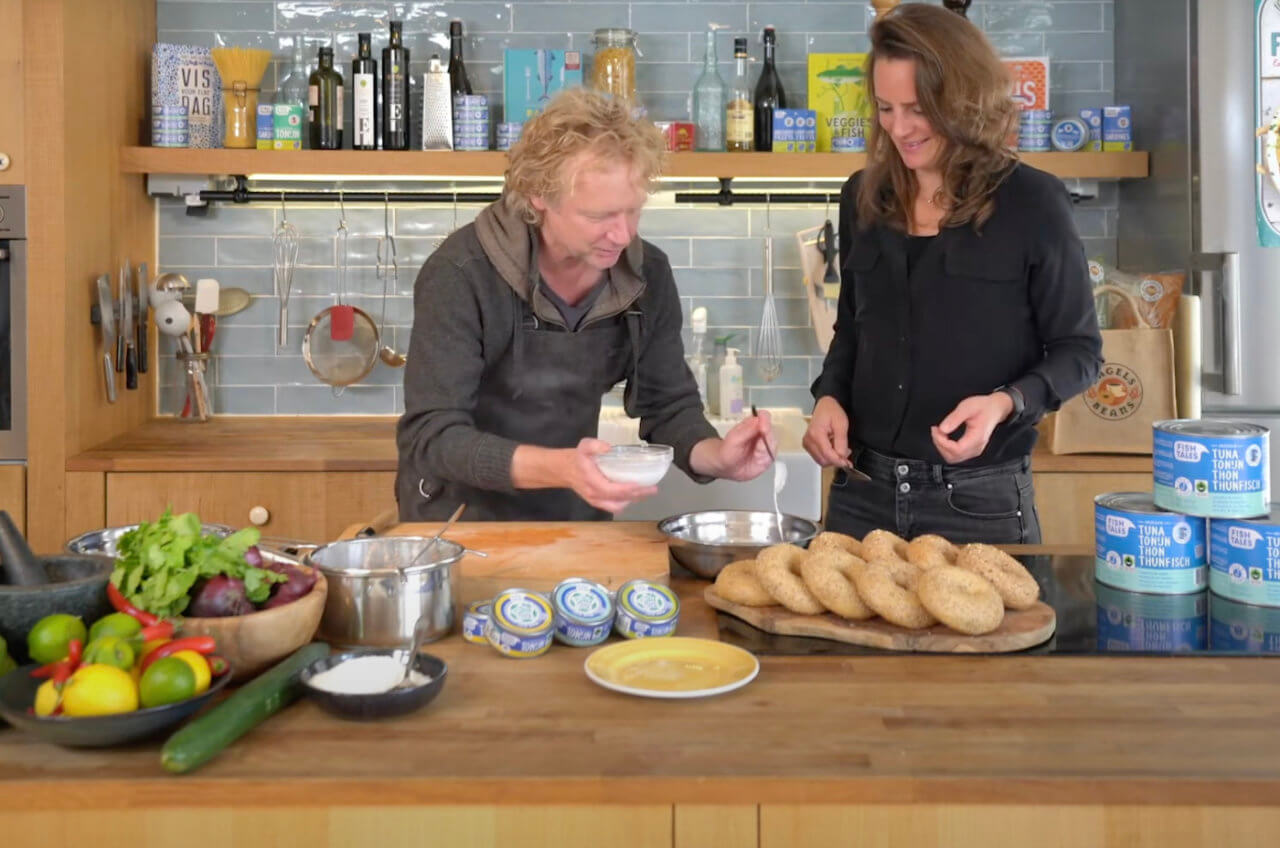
539,554
1020,629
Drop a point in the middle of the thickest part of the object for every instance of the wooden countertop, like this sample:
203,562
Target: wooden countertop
323,443
878,729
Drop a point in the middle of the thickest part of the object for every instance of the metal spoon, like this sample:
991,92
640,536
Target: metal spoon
432,541
779,480
419,636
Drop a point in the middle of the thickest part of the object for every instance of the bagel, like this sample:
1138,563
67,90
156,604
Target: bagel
1016,586
829,540
960,599
930,551
828,575
737,582
778,570
882,544
885,593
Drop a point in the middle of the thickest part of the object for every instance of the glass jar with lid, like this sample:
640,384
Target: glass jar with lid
613,70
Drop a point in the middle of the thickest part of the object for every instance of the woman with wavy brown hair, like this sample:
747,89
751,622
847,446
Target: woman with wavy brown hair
965,310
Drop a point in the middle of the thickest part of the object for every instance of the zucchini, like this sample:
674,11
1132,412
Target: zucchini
200,740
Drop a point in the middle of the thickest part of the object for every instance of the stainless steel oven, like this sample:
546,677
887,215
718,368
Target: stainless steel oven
13,324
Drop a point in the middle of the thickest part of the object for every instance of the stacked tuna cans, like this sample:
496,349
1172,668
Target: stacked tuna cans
1208,522
509,134
470,122
169,126
1034,127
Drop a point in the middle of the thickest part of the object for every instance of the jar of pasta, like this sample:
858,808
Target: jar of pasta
613,70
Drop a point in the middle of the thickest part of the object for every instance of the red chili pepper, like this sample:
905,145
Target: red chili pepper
162,629
75,652
217,665
199,644
122,604
43,671
62,670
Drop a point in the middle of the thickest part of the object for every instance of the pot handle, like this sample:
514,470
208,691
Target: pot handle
288,547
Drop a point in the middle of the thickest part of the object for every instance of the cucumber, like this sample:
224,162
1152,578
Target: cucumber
200,740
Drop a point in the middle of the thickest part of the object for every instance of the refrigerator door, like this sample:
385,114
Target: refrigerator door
1228,115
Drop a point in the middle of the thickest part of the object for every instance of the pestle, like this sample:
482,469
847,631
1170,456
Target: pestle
20,564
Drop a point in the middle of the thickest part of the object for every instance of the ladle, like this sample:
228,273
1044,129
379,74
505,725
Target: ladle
20,564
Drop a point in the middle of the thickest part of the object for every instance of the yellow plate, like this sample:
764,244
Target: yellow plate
671,667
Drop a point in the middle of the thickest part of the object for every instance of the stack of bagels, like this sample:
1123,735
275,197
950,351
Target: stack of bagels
914,584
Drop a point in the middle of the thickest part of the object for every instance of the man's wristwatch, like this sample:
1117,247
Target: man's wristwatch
1019,402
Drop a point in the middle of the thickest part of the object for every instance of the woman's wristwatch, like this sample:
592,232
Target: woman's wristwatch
1019,402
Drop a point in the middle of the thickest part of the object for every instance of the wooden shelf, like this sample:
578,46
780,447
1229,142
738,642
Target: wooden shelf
160,160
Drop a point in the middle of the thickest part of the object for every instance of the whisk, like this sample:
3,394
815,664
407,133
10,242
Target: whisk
769,340
284,245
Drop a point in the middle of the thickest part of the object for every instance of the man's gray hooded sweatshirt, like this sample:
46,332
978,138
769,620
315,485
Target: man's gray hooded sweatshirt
492,366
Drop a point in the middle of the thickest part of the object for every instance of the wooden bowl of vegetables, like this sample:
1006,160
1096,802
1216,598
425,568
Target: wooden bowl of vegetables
257,605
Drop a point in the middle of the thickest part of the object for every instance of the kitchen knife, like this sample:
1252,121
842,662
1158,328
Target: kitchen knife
107,320
127,330
140,284
120,294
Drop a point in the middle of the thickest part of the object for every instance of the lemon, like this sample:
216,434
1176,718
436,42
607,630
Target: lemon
46,698
110,650
200,666
115,624
166,681
47,642
99,689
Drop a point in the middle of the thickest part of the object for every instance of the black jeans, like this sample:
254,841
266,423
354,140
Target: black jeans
993,504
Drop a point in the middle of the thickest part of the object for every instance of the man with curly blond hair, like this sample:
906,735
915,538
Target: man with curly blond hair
524,319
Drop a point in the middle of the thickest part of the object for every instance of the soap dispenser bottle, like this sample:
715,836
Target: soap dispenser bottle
698,358
731,385
713,375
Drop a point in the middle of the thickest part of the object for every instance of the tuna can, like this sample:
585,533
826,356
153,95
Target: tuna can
474,620
1142,548
645,608
520,623
1241,628
584,612
1244,559
1154,624
1217,469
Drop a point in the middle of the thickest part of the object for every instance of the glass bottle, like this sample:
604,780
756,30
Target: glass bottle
364,97
769,94
458,82
395,92
709,101
325,98
289,106
739,119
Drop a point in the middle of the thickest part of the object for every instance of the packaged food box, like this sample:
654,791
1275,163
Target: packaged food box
679,134
185,75
838,97
1117,128
530,77
795,131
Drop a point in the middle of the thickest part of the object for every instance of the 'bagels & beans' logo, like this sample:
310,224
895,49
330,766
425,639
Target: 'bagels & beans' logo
1116,394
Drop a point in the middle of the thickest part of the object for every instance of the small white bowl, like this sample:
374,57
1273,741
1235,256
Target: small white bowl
641,464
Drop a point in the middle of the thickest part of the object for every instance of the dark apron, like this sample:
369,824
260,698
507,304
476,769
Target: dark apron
545,392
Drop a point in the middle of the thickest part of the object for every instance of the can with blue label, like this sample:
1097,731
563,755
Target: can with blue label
1158,624
1069,135
584,612
1242,628
645,608
1142,548
520,623
1244,558
474,620
1213,468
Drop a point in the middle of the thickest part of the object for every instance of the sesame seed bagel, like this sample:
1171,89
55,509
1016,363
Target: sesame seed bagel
882,544
882,586
828,574
1015,584
829,540
930,551
737,582
960,599
778,570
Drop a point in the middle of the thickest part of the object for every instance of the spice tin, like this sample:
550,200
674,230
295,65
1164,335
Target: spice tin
1142,623
1244,559
1217,469
520,623
1242,628
1142,548
644,609
474,620
583,610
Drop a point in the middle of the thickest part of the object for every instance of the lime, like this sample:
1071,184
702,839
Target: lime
200,666
47,641
96,690
166,681
46,698
110,650
115,624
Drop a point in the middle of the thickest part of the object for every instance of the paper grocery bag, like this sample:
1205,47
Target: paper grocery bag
1134,389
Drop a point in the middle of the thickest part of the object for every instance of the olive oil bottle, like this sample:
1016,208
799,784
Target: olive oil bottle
395,92
364,97
325,100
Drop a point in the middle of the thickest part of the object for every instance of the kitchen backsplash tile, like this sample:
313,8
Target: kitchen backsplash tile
716,252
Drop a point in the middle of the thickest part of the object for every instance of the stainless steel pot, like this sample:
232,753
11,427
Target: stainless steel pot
374,601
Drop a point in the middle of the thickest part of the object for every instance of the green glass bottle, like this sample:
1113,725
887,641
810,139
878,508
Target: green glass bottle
324,97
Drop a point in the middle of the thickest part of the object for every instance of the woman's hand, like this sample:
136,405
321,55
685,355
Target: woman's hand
979,415
827,439
743,454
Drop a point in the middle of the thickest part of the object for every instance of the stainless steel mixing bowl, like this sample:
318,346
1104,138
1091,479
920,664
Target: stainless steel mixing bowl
705,542
107,540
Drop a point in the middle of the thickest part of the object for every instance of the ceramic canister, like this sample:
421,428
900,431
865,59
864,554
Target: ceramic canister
584,612
1213,468
1142,623
1244,558
520,623
1142,548
645,608
474,620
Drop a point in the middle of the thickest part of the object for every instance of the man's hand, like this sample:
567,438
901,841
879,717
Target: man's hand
827,439
575,468
979,415
743,454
